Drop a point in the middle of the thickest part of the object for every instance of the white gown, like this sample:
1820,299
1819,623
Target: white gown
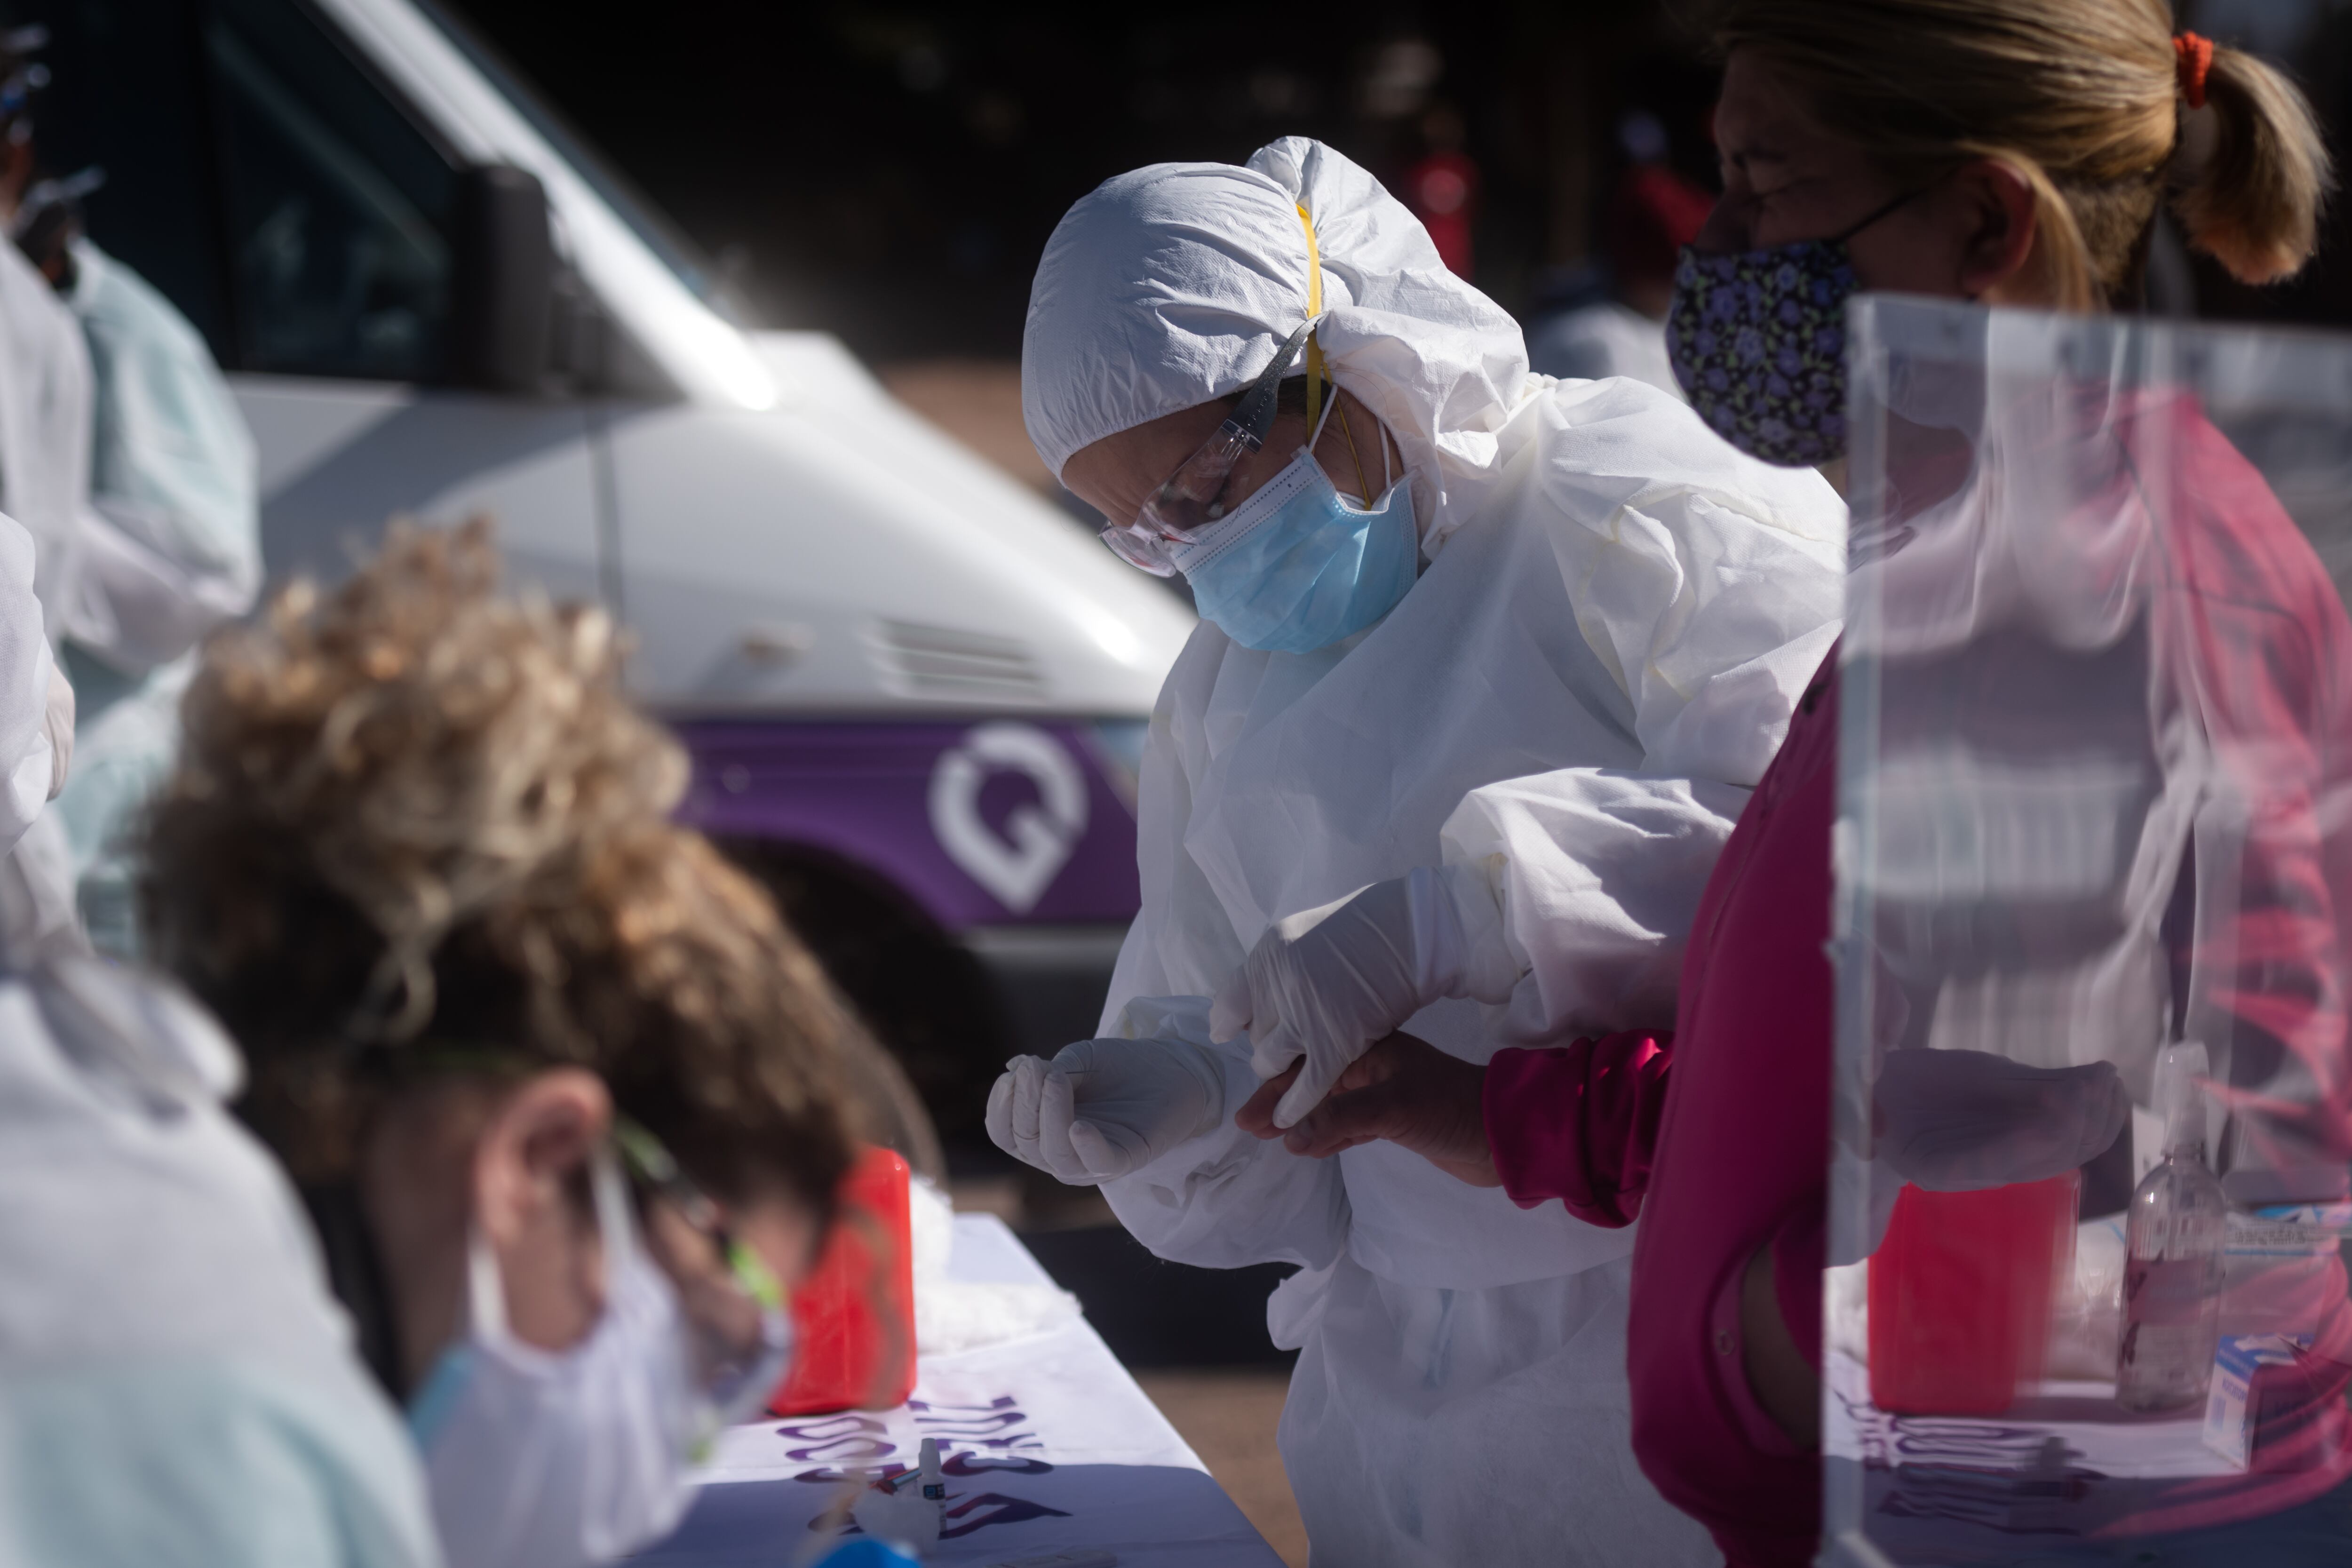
114,393
170,549
176,1385
1632,609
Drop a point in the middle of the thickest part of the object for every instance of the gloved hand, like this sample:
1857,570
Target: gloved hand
1403,1090
1961,1122
1325,983
1102,1109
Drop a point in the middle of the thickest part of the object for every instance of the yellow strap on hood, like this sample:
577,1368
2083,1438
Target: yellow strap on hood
1315,375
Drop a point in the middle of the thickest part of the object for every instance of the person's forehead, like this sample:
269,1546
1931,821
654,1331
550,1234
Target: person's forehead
1758,116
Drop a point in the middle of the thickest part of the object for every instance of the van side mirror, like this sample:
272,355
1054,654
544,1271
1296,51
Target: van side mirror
502,294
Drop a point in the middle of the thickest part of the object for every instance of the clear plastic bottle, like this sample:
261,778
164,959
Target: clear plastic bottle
2178,1223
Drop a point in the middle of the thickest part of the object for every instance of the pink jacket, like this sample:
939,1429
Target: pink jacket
1751,1092
1735,1156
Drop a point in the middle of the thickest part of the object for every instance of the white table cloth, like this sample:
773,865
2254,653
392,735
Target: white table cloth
1049,1447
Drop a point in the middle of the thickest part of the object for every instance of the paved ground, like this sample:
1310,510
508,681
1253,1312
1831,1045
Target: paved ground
1229,1419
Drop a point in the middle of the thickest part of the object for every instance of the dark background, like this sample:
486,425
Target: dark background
890,172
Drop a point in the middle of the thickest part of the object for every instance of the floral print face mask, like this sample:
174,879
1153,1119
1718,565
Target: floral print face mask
1757,340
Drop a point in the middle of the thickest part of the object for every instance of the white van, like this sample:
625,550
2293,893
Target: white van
913,689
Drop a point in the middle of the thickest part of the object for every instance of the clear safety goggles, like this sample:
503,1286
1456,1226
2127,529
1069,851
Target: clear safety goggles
1192,498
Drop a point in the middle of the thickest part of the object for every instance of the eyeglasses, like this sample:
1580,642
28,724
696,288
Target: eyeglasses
1193,497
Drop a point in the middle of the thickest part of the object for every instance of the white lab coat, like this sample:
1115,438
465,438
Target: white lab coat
27,758
1631,611
170,547
45,432
176,1385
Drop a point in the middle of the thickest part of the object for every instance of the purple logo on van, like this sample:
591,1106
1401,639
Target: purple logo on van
1003,820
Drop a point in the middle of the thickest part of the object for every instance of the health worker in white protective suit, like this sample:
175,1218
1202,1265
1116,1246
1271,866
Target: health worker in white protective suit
172,548
175,1383
1475,576
122,452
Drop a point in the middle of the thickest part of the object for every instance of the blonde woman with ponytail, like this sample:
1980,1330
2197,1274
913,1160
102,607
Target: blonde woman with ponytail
2012,153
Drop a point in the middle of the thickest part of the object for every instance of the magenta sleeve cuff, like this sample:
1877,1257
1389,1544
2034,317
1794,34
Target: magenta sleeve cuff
1579,1122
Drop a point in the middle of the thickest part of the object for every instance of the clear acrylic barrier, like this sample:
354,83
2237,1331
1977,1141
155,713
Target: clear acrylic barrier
2094,895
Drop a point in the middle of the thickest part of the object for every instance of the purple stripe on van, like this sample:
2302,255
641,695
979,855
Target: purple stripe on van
978,823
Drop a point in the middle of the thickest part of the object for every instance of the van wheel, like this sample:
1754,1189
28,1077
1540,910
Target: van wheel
926,998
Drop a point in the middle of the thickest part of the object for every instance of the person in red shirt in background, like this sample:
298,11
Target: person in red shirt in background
1614,322
1442,187
2012,153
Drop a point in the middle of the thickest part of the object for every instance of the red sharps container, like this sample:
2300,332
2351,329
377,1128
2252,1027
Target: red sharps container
1961,1293
854,1316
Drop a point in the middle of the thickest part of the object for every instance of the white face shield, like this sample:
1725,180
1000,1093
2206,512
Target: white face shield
2092,929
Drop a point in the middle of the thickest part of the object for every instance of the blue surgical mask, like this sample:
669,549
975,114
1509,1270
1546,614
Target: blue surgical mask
1296,568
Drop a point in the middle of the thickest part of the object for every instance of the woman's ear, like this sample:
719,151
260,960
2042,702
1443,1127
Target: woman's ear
1993,209
534,1148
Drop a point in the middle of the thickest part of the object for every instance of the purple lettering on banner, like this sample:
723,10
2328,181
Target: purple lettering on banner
975,1440
968,1426
843,1439
842,1450
842,1425
1002,1509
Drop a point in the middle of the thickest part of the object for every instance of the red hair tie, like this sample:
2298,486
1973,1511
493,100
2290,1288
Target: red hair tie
2192,56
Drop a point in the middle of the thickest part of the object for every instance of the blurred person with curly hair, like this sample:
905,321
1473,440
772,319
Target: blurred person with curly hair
567,1100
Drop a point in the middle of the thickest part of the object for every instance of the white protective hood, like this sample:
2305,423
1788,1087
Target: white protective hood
1175,284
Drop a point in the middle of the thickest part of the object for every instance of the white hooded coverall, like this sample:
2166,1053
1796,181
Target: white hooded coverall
1613,602
123,455
170,549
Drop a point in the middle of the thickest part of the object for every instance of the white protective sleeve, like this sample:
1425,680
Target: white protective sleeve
1581,885
27,754
171,546
45,430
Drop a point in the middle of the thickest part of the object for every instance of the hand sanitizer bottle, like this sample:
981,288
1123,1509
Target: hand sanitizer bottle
2173,1240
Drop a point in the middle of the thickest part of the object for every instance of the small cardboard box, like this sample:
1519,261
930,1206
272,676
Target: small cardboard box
2233,1421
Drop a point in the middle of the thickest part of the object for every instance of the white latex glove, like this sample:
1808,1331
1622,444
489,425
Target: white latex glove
1325,983
1102,1109
1961,1122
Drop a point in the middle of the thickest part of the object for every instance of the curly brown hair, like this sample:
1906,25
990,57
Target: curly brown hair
416,822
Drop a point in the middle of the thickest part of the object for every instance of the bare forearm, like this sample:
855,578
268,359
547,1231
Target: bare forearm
1785,1383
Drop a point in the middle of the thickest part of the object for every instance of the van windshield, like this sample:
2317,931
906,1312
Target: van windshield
676,252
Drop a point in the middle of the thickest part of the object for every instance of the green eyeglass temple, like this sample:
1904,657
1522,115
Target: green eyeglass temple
645,1158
